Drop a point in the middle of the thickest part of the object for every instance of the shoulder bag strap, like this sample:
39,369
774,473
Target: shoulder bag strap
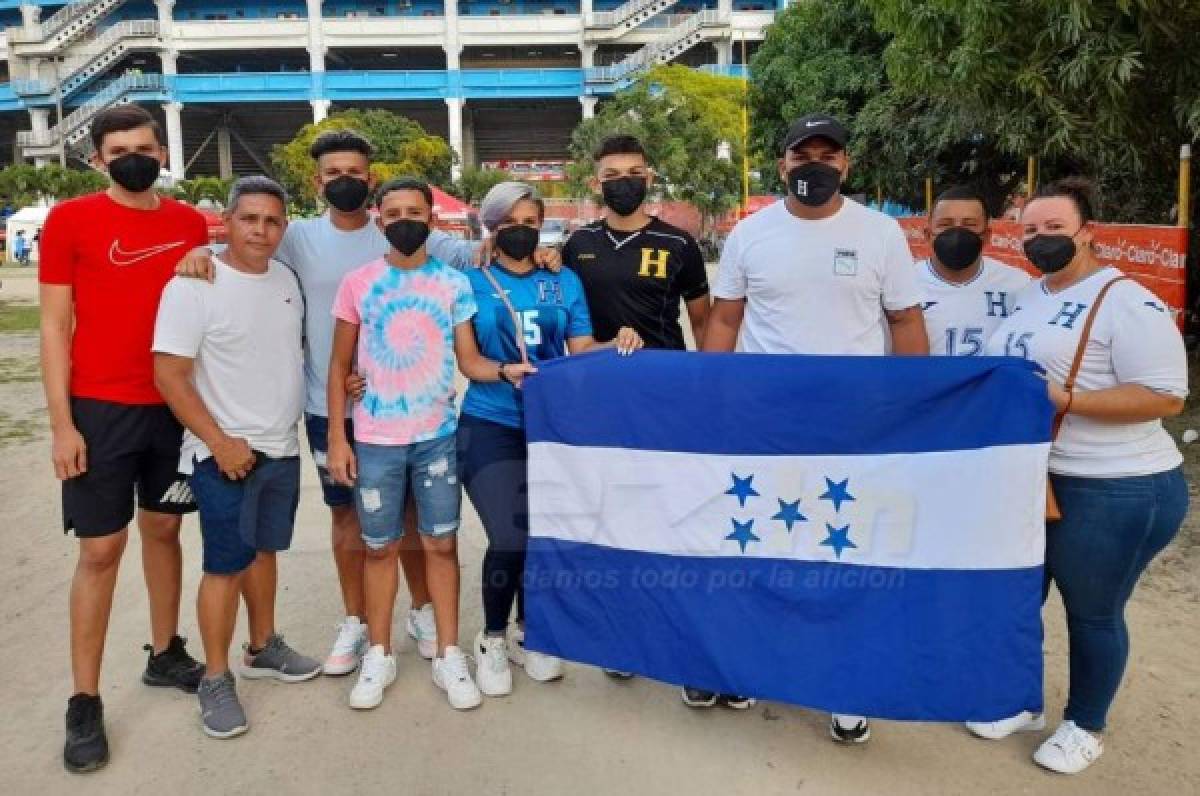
1084,335
518,330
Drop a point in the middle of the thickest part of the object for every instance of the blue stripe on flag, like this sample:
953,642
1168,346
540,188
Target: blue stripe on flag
807,405
940,645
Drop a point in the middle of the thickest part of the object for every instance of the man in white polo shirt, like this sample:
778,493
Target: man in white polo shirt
817,273
967,295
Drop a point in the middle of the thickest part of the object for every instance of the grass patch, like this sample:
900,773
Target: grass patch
19,370
18,317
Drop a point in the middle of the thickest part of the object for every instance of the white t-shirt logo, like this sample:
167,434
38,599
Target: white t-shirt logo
845,262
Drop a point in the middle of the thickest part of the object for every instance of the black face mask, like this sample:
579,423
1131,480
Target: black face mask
346,193
814,184
624,195
518,241
957,248
406,235
134,172
1050,253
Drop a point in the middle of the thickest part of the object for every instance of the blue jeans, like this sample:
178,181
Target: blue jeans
386,472
1110,531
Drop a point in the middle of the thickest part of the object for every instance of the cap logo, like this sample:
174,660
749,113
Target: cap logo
813,124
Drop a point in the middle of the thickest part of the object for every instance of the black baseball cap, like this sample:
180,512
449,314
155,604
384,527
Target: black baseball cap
815,125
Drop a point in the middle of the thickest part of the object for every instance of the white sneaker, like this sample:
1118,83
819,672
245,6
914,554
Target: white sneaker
491,665
1069,750
539,666
423,630
378,672
995,730
348,649
451,675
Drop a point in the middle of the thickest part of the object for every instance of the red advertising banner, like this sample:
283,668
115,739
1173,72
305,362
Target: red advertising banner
1154,256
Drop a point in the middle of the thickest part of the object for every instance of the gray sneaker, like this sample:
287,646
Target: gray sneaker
279,661
221,713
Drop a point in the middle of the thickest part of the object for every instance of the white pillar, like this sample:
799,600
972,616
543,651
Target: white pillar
587,56
725,9
724,52
589,106
166,19
585,10
170,62
320,110
39,119
175,161
224,151
39,122
316,37
455,106
450,43
30,15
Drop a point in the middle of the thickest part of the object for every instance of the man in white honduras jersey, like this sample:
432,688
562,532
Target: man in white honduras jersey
966,295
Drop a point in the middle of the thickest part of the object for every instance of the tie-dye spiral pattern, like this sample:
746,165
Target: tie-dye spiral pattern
406,325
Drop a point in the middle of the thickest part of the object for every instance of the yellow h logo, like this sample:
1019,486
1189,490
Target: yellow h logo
656,259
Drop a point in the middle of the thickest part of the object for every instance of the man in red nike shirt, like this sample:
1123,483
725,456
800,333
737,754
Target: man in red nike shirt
105,260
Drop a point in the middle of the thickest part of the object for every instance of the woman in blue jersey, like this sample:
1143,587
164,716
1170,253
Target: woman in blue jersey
526,316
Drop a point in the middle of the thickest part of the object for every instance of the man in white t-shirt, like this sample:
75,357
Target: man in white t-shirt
967,295
321,251
228,361
817,273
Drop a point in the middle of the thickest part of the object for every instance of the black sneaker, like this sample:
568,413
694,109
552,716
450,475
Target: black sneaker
173,668
87,745
698,698
849,729
736,702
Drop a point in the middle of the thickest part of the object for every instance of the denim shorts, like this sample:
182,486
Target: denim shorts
387,472
240,518
316,428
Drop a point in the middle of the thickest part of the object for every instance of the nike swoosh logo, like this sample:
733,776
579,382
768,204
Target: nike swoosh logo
121,258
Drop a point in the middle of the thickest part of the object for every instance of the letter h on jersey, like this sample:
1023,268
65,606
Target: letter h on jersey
1069,313
656,259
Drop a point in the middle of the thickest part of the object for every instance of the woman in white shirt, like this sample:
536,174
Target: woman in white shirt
1115,471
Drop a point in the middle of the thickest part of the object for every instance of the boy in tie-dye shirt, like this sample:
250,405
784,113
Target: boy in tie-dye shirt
397,316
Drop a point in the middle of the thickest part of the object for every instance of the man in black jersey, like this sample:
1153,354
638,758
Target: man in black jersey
635,267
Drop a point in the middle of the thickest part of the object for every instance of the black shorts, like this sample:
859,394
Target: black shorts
132,451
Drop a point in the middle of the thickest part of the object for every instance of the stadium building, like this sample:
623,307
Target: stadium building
504,81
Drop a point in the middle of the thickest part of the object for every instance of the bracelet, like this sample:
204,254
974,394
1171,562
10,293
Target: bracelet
503,376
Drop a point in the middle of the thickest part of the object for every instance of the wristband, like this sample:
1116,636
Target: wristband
503,376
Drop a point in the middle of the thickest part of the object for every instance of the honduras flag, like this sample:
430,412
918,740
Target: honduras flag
857,534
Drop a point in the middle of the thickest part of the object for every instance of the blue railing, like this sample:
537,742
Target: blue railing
367,85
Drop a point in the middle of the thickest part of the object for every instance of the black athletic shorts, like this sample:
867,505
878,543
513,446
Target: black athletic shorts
132,452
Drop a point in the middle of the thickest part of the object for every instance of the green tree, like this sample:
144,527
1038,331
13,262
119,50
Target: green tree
828,57
681,122
24,184
474,183
1109,88
401,147
198,189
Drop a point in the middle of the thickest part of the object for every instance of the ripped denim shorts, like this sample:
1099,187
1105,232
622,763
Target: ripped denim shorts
385,471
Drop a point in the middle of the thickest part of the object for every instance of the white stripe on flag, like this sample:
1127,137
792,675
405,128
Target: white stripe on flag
972,509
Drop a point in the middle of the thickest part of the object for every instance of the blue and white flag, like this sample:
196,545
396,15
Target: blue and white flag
857,534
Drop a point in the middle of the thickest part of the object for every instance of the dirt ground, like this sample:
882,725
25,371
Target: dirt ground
584,734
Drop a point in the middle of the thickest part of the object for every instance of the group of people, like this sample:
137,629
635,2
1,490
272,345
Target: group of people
190,398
